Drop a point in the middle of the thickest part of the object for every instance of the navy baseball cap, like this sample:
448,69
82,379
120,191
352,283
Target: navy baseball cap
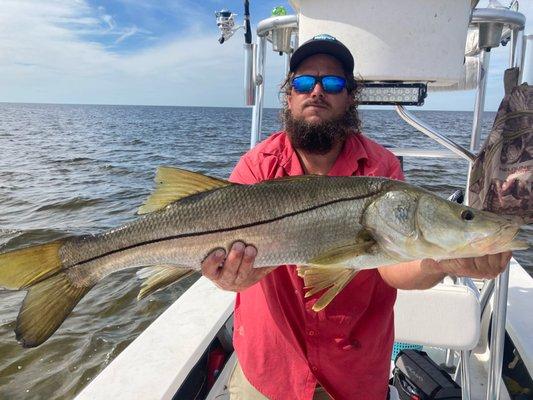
323,44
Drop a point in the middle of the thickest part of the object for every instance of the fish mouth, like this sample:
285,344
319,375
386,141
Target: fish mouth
503,239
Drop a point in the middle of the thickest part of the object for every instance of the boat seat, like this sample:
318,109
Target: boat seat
446,316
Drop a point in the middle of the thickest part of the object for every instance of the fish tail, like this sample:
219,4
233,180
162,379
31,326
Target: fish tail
51,294
24,267
46,305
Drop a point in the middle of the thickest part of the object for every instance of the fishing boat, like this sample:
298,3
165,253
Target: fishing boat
477,331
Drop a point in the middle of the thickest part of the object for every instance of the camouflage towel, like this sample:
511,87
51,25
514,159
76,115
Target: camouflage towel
502,172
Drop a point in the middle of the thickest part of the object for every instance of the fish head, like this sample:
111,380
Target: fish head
411,224
461,231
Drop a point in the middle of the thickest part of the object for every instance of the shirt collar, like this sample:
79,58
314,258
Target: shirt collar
347,162
352,153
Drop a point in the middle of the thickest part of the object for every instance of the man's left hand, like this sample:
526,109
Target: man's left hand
486,267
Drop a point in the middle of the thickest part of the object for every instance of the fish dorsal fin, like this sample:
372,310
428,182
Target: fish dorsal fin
174,184
158,277
338,255
320,278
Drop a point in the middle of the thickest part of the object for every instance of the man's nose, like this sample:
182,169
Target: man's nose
318,90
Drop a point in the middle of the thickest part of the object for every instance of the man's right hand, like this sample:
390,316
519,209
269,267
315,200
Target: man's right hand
237,272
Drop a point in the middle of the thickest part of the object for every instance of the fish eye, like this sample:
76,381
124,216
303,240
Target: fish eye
467,215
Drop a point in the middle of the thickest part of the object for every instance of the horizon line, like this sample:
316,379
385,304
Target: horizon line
363,107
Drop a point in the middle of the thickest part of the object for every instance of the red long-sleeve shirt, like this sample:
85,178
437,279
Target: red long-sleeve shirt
283,346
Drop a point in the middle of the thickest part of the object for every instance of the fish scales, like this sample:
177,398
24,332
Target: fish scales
223,210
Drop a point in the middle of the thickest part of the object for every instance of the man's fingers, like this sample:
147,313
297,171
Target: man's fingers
487,267
247,263
229,271
237,272
211,264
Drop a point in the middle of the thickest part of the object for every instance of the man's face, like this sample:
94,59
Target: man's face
318,106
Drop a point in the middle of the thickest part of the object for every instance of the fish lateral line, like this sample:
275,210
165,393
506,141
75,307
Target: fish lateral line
223,230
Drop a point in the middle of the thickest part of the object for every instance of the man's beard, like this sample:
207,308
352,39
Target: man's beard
318,138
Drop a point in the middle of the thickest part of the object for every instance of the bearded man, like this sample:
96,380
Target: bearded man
286,350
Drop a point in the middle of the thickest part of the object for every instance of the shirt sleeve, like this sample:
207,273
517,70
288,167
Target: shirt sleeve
395,169
245,172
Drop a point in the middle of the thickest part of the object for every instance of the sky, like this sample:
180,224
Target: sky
151,52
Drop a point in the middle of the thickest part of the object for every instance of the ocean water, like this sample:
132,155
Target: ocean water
85,168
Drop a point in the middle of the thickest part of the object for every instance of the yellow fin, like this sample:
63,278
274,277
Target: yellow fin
338,255
160,277
174,184
45,307
320,278
24,267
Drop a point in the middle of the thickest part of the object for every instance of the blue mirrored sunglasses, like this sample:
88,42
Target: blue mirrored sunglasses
330,83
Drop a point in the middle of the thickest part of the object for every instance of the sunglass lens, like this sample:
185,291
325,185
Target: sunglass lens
333,84
304,83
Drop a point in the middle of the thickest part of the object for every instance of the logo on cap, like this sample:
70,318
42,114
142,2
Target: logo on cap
324,36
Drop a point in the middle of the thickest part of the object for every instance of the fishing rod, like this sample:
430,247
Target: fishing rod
226,24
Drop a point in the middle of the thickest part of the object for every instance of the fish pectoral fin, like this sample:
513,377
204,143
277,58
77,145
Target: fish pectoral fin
159,277
317,279
362,244
174,184
45,307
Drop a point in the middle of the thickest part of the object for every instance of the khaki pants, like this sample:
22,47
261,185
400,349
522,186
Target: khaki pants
240,389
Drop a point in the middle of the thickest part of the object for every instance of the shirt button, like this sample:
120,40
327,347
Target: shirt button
313,368
312,333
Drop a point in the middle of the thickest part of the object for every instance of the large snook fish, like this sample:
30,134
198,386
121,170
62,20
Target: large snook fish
330,227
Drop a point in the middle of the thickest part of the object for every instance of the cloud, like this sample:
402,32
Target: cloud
108,19
68,51
46,57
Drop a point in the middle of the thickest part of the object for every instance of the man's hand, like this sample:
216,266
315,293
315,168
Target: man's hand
426,273
236,272
486,267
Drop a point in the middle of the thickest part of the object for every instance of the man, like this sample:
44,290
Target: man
285,349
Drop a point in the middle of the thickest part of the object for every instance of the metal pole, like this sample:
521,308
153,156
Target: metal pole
465,374
249,74
499,314
448,361
484,60
512,51
425,129
486,293
479,107
522,59
257,114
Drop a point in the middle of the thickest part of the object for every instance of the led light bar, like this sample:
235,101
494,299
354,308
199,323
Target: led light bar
408,94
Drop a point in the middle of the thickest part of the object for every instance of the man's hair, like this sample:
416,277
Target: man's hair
352,86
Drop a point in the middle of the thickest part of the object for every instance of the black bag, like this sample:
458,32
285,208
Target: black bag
416,376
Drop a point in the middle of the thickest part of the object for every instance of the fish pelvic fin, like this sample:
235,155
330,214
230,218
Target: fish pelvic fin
46,305
317,279
24,267
338,255
160,277
174,184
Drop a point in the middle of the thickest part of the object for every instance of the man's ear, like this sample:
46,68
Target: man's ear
351,101
288,98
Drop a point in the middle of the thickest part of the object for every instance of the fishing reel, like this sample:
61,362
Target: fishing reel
226,24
